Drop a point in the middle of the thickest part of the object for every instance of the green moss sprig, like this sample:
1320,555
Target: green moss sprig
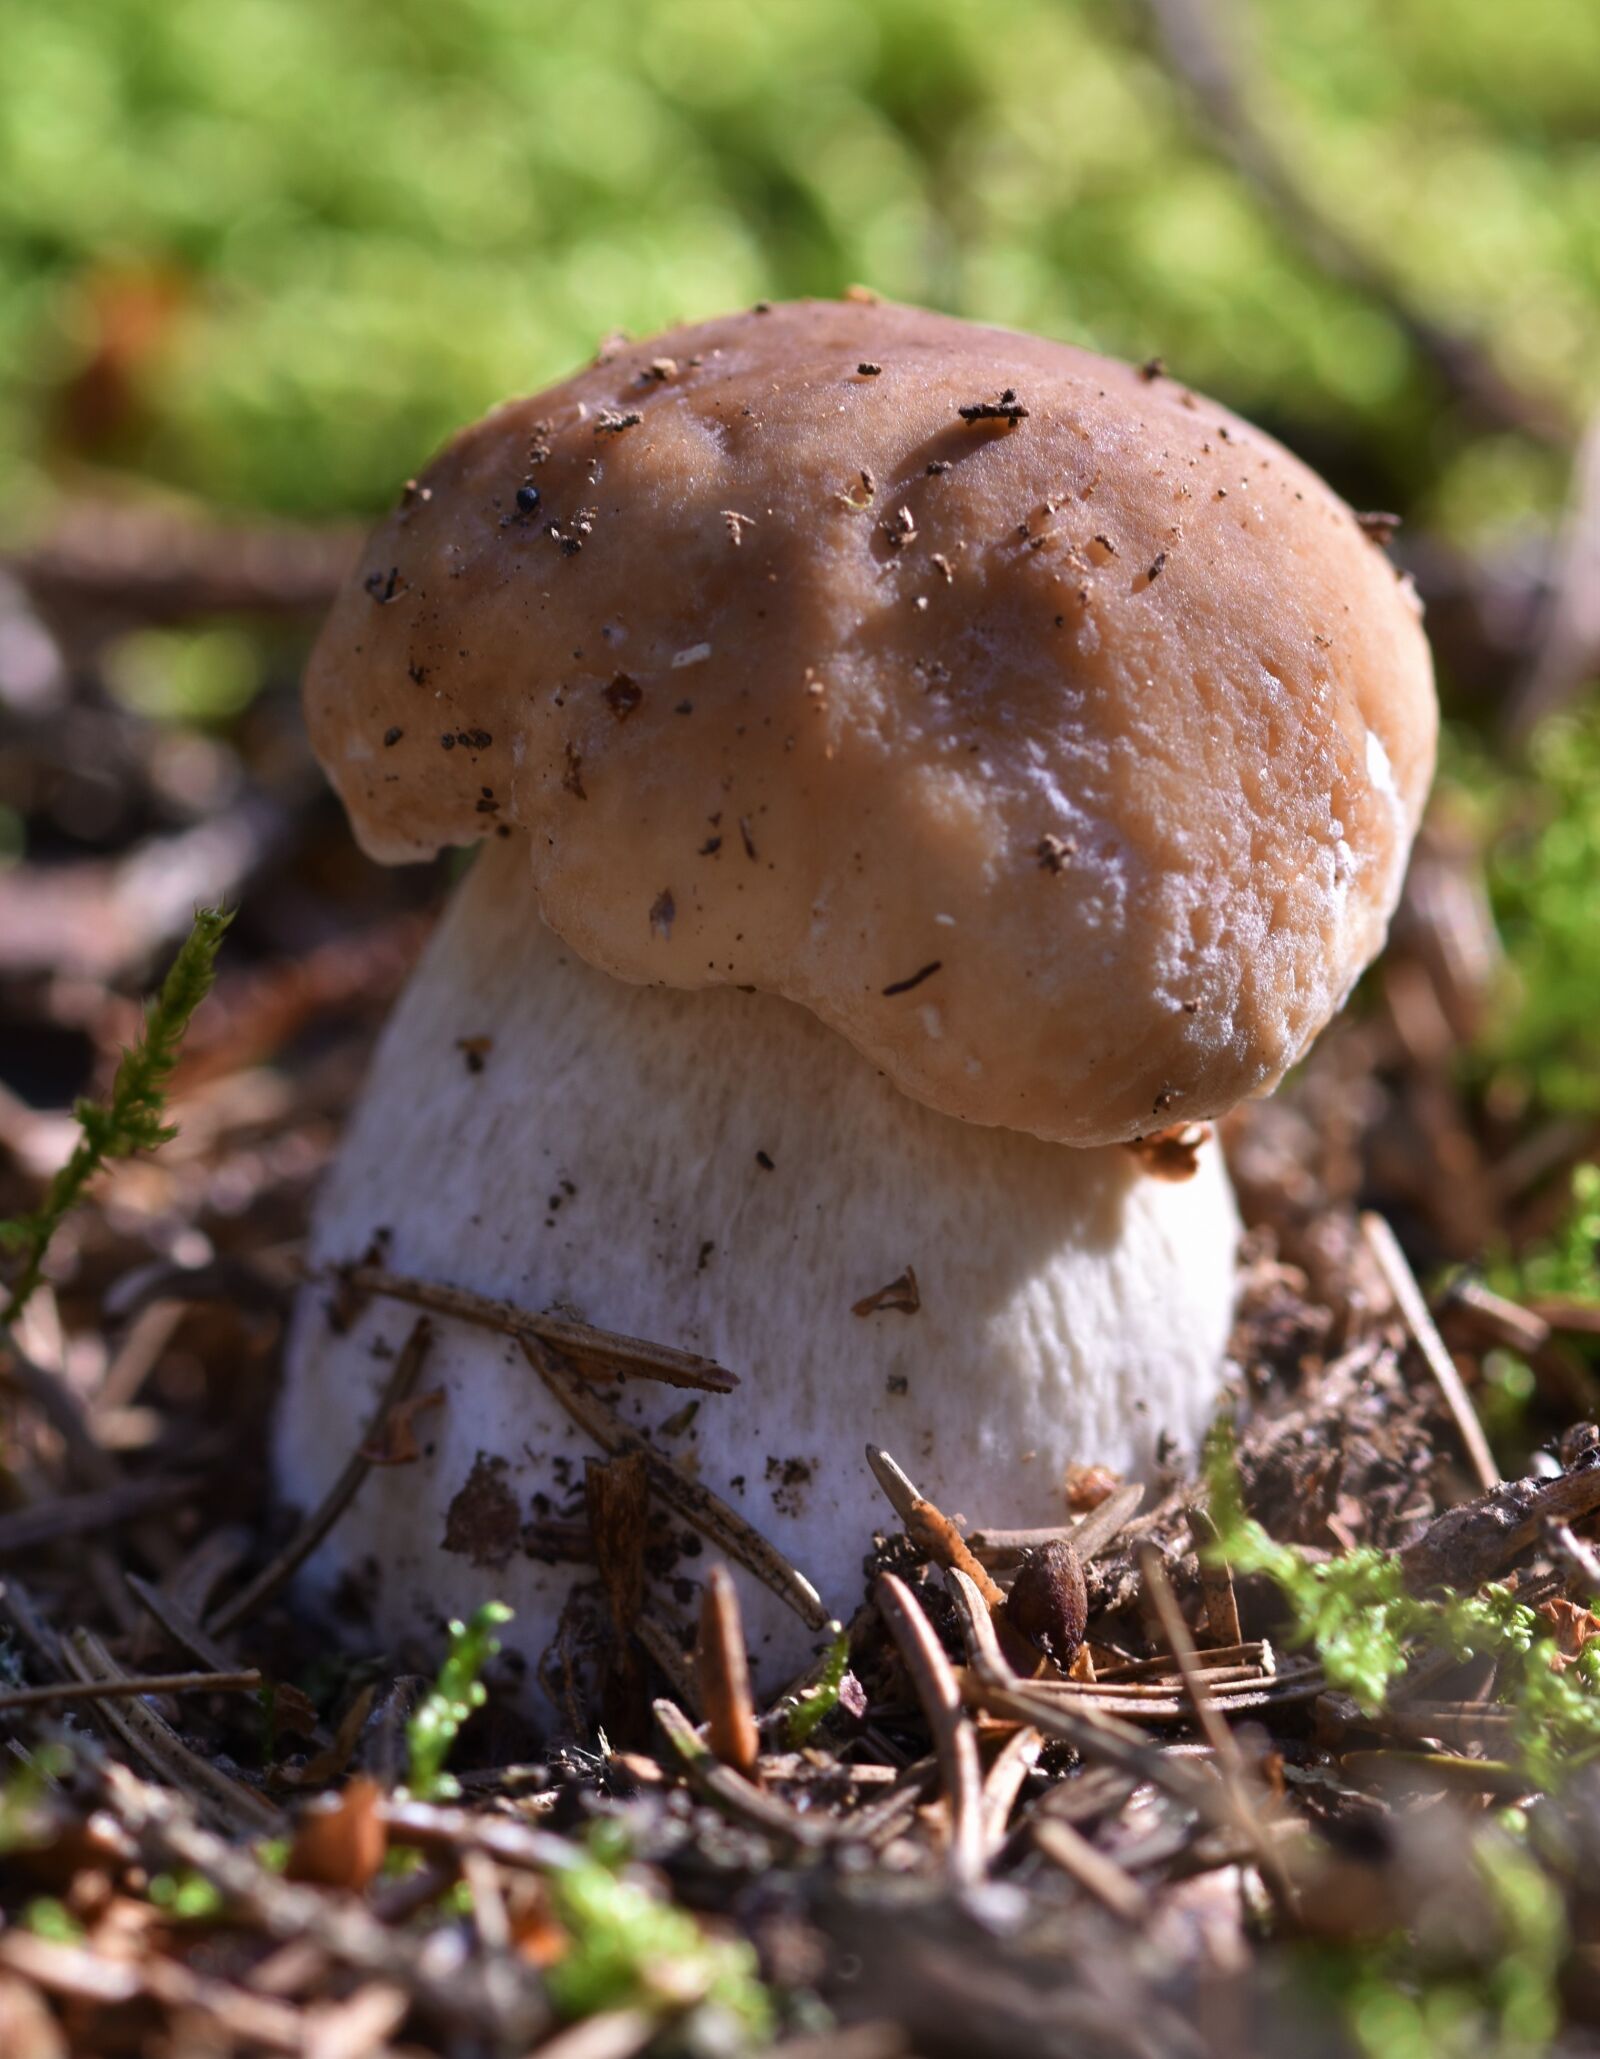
458,1691
1356,1614
133,1118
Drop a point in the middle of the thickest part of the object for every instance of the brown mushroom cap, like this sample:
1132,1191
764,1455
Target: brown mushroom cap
1064,757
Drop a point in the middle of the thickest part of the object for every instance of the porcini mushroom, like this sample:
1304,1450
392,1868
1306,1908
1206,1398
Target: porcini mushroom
913,760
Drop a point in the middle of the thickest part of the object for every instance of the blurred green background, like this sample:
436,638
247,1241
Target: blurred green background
258,257
270,251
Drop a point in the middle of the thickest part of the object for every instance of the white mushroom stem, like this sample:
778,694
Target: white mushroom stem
716,1170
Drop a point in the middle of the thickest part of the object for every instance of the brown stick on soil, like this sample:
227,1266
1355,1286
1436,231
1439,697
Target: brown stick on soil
955,1742
1468,1545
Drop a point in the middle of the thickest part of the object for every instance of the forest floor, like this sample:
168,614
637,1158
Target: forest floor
1301,1766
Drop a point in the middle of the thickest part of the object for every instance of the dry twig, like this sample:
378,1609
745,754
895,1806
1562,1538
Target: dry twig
597,1353
697,1505
127,1685
1385,1248
929,1528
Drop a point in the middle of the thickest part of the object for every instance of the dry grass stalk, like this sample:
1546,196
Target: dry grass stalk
877,1822
1095,1533
1402,1283
723,1666
149,1737
614,2034
1474,1308
955,1742
181,1628
1436,1769
860,2041
128,1685
1155,1703
1257,1658
1181,1644
990,1685
1004,1782
1066,1846
1471,1725
1236,1779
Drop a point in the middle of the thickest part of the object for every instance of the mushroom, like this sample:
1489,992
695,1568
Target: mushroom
898,793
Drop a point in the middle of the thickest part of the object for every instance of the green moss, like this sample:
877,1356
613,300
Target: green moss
1354,1612
807,1709
1544,862
1399,2002
133,1119
370,220
1565,1267
630,1948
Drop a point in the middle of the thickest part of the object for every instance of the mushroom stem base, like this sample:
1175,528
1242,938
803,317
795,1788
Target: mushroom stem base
717,1171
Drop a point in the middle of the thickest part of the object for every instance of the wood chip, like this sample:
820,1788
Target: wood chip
1216,1581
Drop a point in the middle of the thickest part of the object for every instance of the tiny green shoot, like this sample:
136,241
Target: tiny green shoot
433,1729
808,1709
